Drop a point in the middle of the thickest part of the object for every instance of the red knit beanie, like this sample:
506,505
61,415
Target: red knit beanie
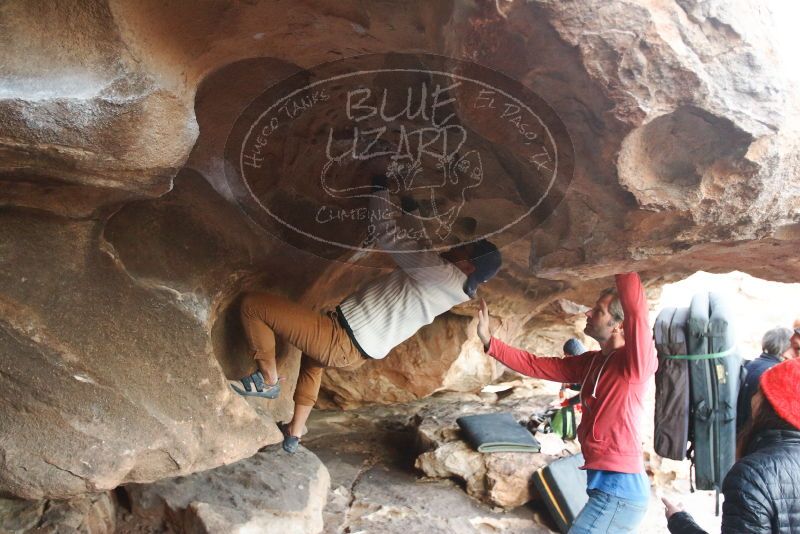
781,386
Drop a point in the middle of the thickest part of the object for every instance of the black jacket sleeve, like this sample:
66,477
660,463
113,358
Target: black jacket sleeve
682,523
747,509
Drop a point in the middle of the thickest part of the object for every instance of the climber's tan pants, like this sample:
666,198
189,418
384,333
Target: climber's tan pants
322,339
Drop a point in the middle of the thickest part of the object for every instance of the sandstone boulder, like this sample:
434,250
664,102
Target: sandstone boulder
268,492
87,514
123,249
108,365
502,479
445,355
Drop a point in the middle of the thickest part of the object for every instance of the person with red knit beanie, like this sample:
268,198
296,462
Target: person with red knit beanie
762,489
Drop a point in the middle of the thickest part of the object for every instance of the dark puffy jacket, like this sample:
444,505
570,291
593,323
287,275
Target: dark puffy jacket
762,490
755,368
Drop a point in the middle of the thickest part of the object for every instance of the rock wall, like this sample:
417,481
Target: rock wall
443,355
92,513
269,492
107,377
122,254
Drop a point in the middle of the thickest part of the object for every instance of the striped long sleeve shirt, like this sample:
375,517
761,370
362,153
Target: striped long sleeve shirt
391,308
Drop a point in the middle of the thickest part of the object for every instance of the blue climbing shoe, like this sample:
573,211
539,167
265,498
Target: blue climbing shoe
254,386
290,443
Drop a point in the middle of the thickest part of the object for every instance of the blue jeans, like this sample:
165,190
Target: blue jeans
606,513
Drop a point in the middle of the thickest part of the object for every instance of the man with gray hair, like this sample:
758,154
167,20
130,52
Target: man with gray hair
775,347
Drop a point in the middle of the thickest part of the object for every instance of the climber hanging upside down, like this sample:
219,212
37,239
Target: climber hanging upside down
370,322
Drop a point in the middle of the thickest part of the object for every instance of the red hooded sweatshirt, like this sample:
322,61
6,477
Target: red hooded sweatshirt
612,387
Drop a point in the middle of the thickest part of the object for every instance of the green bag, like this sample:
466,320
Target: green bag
563,422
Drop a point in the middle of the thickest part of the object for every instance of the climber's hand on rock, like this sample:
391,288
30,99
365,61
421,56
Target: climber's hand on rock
380,181
409,204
